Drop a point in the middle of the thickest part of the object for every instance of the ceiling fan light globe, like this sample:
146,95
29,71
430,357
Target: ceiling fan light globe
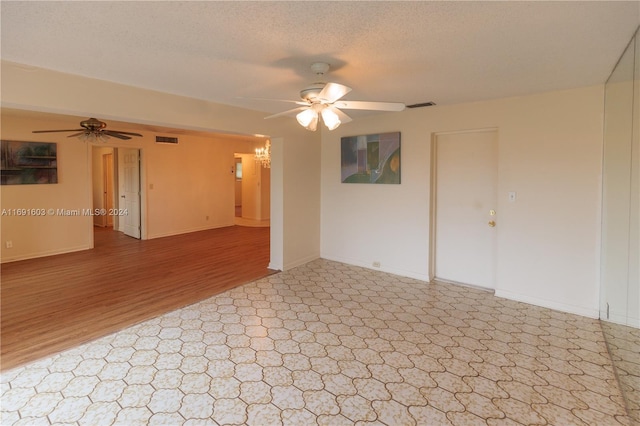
330,118
313,126
86,137
308,119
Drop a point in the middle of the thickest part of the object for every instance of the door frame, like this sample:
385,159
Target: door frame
116,195
433,154
108,198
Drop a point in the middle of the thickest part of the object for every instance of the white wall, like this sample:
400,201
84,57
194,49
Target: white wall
294,240
549,152
277,207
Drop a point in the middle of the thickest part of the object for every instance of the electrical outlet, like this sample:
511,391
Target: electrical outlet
9,244
376,264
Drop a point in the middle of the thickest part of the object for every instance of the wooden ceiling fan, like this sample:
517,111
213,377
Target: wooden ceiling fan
94,128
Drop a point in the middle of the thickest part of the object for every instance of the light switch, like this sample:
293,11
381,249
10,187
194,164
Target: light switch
512,196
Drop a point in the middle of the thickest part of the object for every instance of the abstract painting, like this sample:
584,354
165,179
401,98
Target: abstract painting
28,163
371,158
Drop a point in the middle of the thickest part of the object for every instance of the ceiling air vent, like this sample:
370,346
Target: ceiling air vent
423,104
166,139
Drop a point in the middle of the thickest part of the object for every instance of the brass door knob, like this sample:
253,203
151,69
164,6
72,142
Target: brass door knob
492,223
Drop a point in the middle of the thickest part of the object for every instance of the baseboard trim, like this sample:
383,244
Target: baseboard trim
557,306
474,286
571,309
43,254
274,267
299,262
394,271
188,231
622,319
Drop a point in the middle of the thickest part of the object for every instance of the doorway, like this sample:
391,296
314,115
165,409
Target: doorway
238,187
117,190
107,199
253,192
463,205
103,185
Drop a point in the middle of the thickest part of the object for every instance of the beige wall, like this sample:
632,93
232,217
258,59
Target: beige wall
548,239
293,241
186,187
190,186
34,236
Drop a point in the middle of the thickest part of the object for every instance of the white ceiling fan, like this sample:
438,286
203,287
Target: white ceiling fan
323,100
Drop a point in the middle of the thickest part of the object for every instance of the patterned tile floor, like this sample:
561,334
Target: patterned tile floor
331,344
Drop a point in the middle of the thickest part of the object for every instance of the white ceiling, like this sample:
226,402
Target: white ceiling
446,52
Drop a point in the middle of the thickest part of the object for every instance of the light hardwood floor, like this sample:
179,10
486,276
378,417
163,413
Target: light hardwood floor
58,302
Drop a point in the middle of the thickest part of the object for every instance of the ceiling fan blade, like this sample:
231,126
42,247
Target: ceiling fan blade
115,134
344,118
53,131
333,91
123,133
373,106
288,112
77,134
276,100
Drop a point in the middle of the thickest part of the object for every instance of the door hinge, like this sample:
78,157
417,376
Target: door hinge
607,310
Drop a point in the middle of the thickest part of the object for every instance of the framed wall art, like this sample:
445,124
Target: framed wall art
371,158
23,163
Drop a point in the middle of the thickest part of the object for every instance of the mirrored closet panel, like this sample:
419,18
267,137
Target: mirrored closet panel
620,254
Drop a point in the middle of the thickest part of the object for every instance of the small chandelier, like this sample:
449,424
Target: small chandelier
93,137
263,155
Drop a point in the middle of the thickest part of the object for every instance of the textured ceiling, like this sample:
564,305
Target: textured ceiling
446,52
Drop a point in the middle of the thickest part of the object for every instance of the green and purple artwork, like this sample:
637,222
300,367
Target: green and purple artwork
371,158
24,163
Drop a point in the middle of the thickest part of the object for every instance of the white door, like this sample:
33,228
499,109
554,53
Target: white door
129,185
466,173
